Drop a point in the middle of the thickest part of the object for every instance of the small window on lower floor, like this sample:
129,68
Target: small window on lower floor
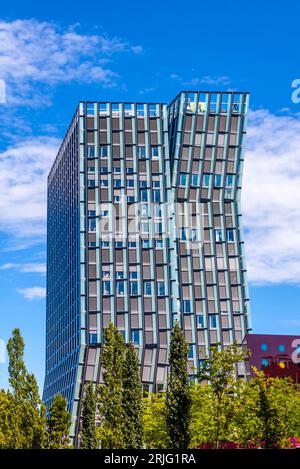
133,288
213,321
191,351
200,320
186,306
135,337
93,339
230,235
91,151
161,288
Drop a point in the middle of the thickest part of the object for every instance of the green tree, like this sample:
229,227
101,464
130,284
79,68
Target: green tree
154,419
132,400
220,371
59,422
28,410
88,438
202,426
111,429
178,401
16,367
9,433
273,407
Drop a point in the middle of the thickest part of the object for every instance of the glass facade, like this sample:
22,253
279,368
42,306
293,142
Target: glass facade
144,227
63,322
206,135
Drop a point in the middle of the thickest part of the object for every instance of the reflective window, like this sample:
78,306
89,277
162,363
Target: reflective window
229,180
154,152
218,180
206,180
161,288
147,288
91,151
213,321
120,288
141,151
195,180
182,179
230,235
200,320
93,339
191,351
133,287
106,288
135,337
103,151
218,234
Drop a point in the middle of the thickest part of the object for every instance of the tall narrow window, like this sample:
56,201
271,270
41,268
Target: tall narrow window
182,179
206,180
186,306
200,320
135,337
218,233
156,196
229,180
218,180
133,286
213,321
230,235
195,180
154,152
147,288
120,288
106,288
160,288
142,151
103,151
191,352
91,151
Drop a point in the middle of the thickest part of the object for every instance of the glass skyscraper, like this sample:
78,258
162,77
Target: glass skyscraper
144,227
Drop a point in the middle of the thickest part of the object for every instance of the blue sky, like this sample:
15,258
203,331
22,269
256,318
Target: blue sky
53,54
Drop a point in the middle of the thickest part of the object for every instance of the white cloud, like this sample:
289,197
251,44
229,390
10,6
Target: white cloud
25,268
205,80
290,322
146,90
33,293
271,198
34,52
23,184
215,80
175,76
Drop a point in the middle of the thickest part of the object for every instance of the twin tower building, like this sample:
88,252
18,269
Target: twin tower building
144,228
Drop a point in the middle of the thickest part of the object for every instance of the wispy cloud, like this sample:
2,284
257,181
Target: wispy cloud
33,293
215,80
290,323
271,198
205,80
34,52
25,268
146,90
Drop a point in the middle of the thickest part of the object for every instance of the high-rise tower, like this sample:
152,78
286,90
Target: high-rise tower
143,229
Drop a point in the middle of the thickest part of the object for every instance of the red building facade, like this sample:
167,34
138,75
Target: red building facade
276,355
